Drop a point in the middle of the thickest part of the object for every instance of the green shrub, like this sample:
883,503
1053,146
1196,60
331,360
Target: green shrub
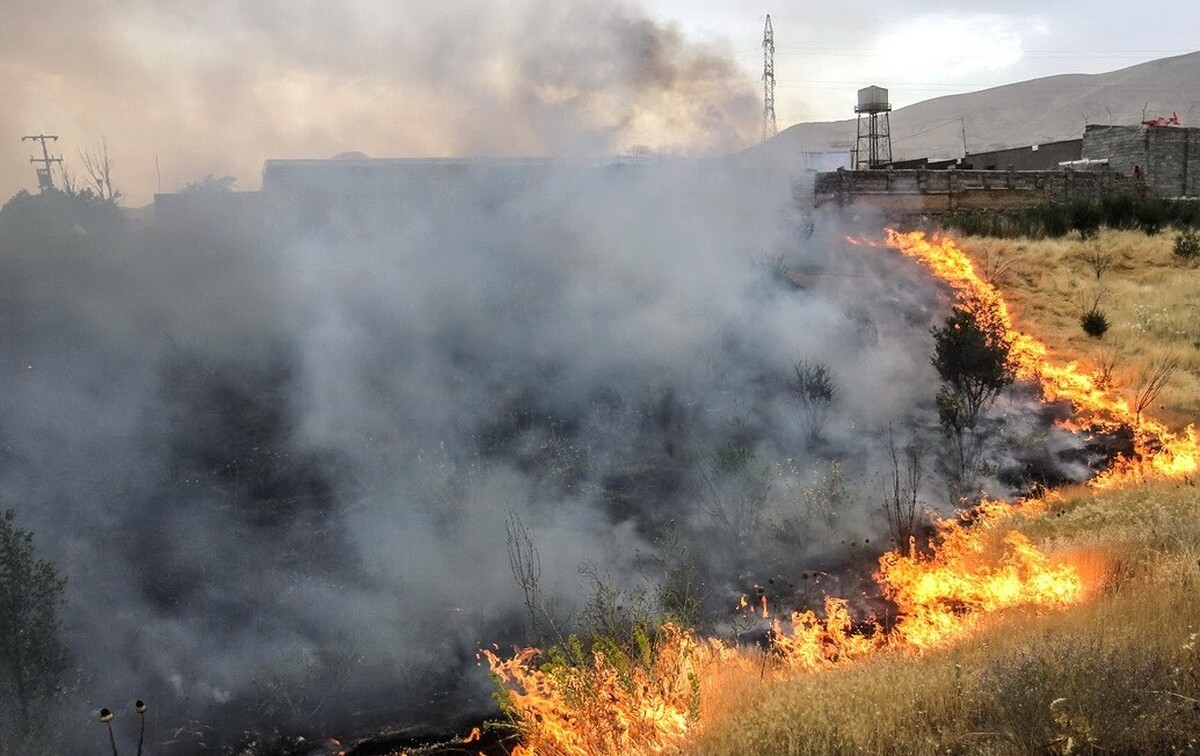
1122,211
1151,215
1086,217
33,655
971,355
1094,323
1187,244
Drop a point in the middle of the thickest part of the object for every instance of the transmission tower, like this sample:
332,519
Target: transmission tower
45,177
769,128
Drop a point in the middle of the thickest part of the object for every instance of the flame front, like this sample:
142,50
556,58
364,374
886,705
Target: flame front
976,569
649,706
1158,451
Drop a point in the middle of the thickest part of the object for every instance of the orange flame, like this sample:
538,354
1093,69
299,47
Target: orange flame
940,599
605,706
1158,452
813,643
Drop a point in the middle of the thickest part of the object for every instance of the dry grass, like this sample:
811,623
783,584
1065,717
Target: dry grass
1151,298
1120,673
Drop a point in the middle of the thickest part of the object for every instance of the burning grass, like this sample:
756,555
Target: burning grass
1158,451
1120,673
611,701
970,661
606,699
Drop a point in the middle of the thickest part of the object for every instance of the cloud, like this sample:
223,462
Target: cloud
947,47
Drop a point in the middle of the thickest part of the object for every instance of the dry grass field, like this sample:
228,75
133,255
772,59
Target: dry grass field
1150,297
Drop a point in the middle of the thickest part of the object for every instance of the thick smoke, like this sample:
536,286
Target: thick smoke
275,449
188,89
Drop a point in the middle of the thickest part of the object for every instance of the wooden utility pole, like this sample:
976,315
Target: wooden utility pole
44,175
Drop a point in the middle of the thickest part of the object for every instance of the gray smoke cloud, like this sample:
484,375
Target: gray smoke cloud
274,445
187,89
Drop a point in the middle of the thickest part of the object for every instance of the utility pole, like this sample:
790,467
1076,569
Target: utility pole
45,177
769,127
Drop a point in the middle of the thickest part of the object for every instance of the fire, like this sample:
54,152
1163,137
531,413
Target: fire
812,643
975,570
1158,451
649,704
603,705
608,705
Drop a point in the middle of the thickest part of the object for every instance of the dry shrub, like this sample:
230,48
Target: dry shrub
1067,695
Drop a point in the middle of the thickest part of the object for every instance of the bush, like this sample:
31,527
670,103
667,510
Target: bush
1065,695
971,354
1122,211
1086,217
1187,245
1094,323
814,387
33,656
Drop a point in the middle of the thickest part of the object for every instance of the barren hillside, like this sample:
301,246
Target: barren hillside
1030,112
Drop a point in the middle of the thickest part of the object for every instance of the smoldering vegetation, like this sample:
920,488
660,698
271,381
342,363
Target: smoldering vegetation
278,445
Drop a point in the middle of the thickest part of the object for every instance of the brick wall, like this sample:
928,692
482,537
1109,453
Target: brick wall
940,191
1169,156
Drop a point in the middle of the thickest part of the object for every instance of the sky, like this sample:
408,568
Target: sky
180,90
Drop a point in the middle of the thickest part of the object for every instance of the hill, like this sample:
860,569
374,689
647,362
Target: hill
1030,112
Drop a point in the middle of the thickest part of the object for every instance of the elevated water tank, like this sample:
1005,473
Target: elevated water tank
872,100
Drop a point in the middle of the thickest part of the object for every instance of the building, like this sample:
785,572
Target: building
1166,157
1037,157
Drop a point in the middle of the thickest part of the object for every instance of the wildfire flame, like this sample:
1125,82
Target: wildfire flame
973,568
940,599
608,706
1158,452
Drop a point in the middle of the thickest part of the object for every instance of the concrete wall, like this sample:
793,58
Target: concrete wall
924,191
1169,156
1045,157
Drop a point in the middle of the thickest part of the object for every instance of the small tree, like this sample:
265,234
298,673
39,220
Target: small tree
1098,259
33,657
971,354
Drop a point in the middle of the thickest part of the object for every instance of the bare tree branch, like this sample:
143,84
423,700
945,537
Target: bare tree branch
98,167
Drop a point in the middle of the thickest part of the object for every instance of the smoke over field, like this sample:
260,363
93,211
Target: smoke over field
277,452
182,90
